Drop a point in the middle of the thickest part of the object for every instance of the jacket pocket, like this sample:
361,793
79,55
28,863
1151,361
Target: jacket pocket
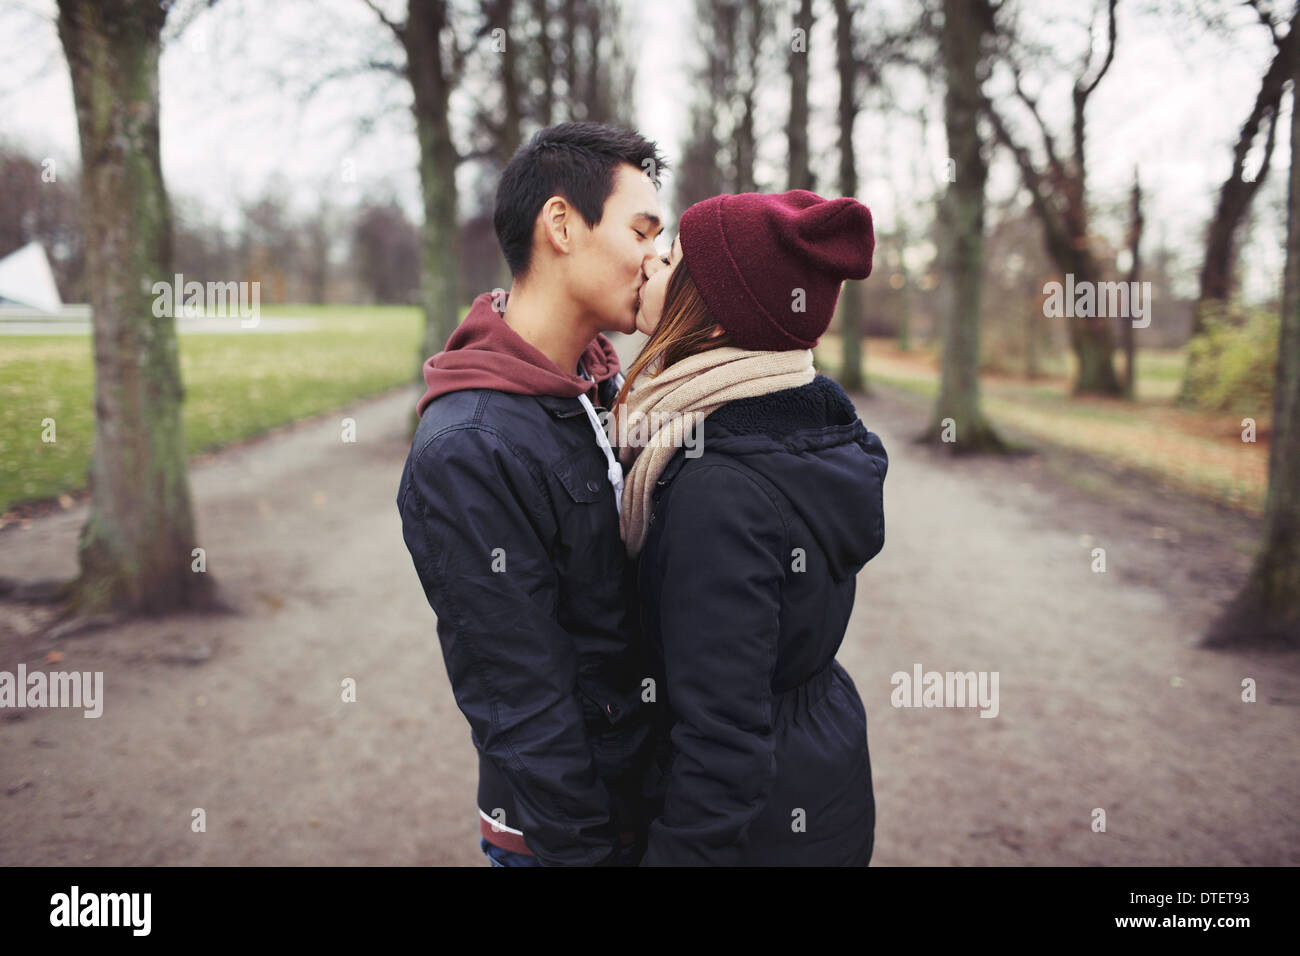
616,729
603,707
581,487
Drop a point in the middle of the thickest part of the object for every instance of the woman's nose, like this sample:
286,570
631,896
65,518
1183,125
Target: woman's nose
650,265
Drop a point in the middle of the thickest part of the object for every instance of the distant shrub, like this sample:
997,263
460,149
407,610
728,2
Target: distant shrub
1232,365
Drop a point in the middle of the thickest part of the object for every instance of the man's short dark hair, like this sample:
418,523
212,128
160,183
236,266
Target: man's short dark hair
573,160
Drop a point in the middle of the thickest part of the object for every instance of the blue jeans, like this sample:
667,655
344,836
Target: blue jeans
629,856
499,857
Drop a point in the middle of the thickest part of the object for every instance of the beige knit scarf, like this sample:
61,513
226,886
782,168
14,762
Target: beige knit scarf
663,408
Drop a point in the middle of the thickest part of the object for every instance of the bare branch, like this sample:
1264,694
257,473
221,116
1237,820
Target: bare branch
1268,152
177,24
1110,53
348,72
1265,17
1053,227
1049,144
399,29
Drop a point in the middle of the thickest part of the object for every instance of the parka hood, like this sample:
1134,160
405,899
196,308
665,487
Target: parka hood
810,443
485,352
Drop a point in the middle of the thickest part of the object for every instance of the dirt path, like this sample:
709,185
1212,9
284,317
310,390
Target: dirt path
986,568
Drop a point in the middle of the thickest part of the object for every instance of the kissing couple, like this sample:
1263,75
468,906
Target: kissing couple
643,640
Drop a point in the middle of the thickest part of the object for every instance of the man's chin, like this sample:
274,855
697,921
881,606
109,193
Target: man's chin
625,323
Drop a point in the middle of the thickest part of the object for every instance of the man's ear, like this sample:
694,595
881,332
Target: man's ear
555,221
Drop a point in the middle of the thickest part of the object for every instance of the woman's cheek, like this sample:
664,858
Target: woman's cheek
652,303
644,321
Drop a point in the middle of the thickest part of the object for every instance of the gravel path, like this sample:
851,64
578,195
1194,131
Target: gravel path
1102,703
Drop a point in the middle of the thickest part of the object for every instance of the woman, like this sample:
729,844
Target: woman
749,533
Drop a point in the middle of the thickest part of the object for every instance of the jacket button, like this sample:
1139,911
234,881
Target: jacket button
611,709
593,485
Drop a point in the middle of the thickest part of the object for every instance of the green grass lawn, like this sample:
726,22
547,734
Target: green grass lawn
237,385
1194,451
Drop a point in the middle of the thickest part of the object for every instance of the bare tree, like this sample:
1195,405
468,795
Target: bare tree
753,24
721,146
135,550
1136,223
848,66
958,423
1059,197
386,252
797,130
1239,189
434,66
1237,194
1267,609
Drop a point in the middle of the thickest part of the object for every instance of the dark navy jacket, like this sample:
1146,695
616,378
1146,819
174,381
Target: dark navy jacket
512,525
746,582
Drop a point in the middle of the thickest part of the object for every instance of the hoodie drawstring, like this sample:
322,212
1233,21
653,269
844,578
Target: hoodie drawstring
615,471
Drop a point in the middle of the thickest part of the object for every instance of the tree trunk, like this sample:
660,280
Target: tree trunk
1093,341
958,424
546,62
569,19
1238,191
502,17
905,293
751,34
797,132
1059,198
1134,272
1093,338
1267,609
850,306
596,98
440,291
135,548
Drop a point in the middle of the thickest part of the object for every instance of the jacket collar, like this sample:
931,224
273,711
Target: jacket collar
821,404
561,407
820,412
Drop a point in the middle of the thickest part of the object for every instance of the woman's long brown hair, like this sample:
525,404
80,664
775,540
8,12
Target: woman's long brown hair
684,329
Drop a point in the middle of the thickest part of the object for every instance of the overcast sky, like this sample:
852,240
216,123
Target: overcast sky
1171,104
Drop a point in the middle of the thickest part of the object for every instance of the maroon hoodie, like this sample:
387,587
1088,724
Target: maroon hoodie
485,352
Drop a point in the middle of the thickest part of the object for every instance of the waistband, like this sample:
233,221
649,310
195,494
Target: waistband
513,840
502,836
801,698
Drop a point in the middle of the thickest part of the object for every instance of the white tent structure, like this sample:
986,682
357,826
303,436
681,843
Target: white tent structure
26,280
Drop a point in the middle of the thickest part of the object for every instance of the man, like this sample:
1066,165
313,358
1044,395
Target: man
510,505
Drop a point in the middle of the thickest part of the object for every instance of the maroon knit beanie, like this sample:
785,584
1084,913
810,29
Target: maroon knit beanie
770,266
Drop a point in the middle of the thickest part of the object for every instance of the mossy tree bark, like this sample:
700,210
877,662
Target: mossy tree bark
958,423
432,74
1267,609
135,548
797,129
851,298
1238,191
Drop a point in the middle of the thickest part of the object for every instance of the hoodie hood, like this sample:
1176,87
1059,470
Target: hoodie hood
485,352
810,443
